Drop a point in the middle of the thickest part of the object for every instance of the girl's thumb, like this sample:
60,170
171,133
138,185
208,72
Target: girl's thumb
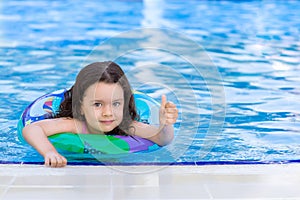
163,101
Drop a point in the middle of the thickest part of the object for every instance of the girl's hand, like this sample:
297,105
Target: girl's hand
168,113
54,159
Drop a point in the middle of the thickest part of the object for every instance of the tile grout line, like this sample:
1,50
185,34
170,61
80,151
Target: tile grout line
47,186
8,187
208,191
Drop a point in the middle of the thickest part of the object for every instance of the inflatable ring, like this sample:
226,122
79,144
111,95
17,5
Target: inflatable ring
44,106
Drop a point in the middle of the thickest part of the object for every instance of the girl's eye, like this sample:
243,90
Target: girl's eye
116,104
97,105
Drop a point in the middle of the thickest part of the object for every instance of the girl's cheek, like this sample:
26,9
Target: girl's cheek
97,113
118,111
119,115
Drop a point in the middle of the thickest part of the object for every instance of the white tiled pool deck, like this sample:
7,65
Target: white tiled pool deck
272,181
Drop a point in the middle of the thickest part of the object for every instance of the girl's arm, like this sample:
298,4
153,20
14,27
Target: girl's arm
36,134
163,134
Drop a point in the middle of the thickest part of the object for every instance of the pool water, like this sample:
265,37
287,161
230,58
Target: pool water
238,91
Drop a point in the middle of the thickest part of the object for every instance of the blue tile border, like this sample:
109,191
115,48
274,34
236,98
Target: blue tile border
197,163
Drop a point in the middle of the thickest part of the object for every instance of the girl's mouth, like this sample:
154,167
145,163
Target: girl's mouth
107,122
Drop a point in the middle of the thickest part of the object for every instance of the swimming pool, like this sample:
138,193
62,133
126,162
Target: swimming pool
240,104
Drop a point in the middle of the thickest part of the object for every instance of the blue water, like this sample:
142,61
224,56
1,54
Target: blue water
238,91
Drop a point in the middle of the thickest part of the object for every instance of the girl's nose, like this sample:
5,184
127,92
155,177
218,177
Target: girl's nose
107,111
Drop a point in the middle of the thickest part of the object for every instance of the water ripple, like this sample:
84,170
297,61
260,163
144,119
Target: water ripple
44,43
33,67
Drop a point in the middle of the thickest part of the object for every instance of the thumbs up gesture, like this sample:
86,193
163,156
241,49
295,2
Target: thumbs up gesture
168,112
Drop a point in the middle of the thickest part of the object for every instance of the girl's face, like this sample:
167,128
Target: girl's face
102,106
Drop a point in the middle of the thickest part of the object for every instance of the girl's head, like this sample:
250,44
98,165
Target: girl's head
102,97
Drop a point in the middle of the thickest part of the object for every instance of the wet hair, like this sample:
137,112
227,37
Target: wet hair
107,72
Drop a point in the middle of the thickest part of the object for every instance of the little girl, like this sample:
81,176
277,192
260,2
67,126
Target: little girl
100,102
